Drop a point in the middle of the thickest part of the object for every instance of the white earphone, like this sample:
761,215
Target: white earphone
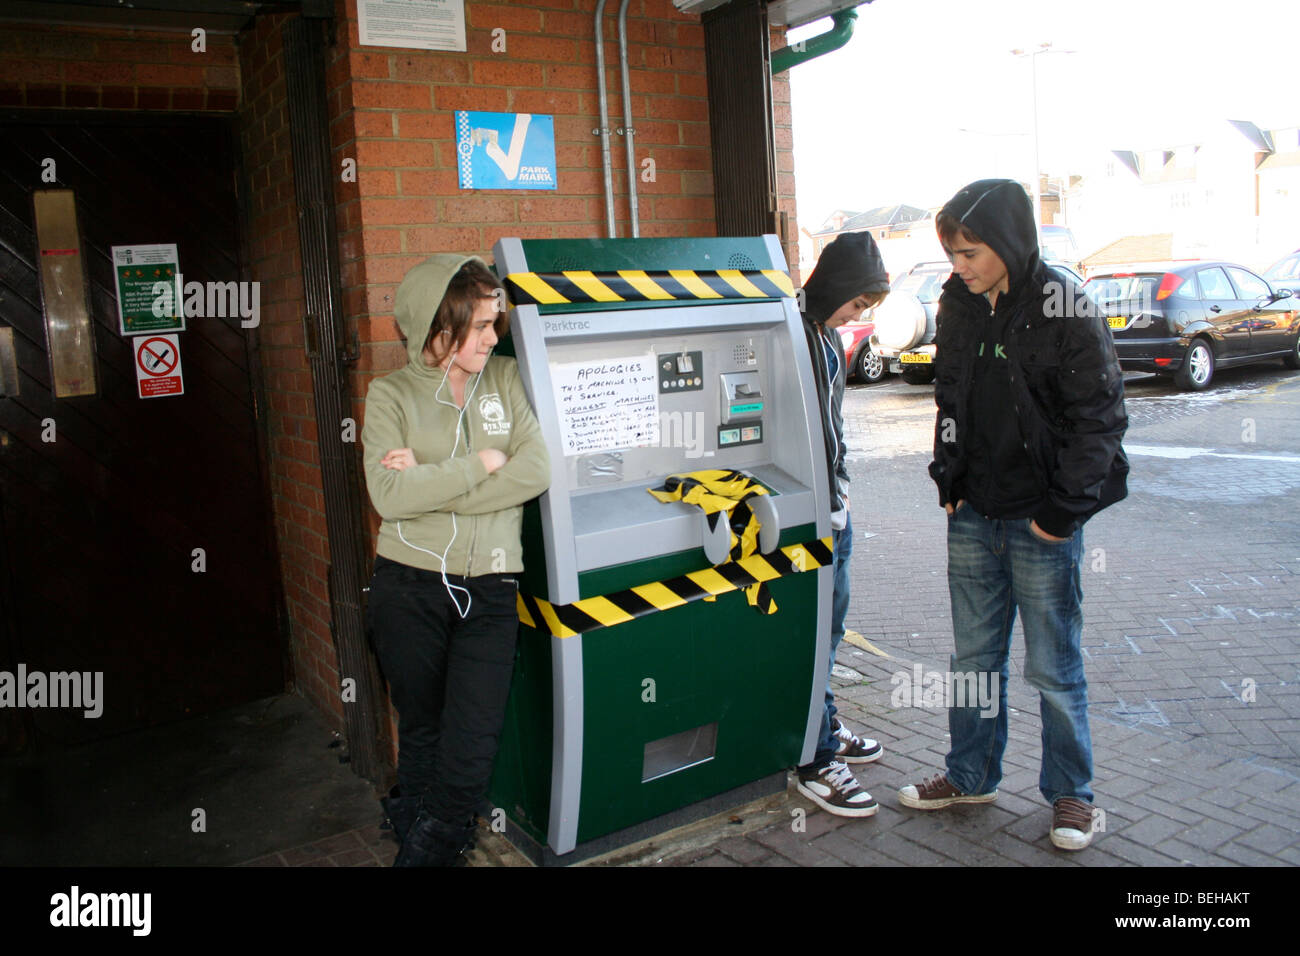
442,558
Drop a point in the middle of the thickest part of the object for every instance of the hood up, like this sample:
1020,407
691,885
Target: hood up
848,267
419,296
1000,213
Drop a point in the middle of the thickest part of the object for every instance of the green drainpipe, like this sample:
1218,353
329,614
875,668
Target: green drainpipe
827,42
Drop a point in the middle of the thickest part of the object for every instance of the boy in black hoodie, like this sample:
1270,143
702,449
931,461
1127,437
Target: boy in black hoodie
1027,448
849,278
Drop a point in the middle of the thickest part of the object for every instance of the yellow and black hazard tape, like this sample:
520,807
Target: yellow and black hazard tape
633,285
590,614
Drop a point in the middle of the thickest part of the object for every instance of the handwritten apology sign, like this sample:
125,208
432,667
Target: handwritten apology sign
607,404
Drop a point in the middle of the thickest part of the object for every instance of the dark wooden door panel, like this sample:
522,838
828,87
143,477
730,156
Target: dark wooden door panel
100,525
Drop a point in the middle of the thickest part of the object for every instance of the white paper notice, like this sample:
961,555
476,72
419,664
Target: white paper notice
413,24
607,404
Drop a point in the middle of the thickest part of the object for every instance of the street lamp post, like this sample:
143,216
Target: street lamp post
1037,189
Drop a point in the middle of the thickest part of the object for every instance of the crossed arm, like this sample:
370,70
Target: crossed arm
484,481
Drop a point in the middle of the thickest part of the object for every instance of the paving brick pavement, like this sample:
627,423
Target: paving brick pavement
1192,627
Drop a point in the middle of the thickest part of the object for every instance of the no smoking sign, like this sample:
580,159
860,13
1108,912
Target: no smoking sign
158,365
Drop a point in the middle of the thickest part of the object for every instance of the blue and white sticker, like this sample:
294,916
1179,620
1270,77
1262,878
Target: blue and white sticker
505,150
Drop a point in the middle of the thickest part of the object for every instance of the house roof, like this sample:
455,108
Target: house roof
1162,171
826,225
1152,248
880,216
1254,135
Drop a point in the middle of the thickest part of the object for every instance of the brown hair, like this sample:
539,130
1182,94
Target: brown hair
472,282
950,229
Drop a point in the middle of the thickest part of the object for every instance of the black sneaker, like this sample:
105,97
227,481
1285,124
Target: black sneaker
855,749
836,790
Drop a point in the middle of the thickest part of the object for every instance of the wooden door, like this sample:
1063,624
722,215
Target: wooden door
101,529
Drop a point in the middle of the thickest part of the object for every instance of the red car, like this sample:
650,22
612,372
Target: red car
863,363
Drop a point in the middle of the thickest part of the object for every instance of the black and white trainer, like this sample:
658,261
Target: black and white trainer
855,749
836,790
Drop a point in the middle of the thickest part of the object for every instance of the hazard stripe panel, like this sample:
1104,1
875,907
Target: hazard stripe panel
591,614
634,285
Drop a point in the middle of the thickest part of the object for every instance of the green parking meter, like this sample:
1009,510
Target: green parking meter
652,686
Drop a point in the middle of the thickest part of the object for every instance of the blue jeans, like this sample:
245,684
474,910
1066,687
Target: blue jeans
827,742
996,567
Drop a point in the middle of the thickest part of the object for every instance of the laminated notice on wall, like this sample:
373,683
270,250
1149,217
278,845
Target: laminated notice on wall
607,404
413,24
148,283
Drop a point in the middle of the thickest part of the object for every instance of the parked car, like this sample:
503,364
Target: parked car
905,330
905,321
863,363
1059,248
1074,275
1187,319
1285,272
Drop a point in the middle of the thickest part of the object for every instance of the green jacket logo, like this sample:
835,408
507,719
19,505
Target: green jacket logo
493,414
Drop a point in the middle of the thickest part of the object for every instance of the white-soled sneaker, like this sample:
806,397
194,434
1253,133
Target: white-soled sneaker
1072,823
836,790
938,792
855,749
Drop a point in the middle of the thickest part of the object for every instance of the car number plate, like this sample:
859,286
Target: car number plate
1117,321
915,358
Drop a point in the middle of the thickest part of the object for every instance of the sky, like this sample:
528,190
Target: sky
927,96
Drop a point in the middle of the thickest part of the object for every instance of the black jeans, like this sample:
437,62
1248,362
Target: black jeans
449,679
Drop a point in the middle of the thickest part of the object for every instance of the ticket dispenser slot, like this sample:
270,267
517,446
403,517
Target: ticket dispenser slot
742,397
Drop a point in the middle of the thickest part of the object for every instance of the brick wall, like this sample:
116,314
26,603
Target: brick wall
274,259
52,67
396,121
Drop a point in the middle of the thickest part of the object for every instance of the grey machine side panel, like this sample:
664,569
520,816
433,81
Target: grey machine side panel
566,746
556,511
557,525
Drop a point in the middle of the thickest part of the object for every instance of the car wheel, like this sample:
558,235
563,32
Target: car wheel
1198,366
918,376
1292,359
870,366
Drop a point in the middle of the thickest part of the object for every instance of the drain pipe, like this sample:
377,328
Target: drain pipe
823,43
628,131
605,160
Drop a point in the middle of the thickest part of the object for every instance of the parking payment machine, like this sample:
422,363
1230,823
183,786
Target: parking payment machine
667,669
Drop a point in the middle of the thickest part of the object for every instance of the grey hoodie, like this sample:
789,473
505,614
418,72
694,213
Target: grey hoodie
413,408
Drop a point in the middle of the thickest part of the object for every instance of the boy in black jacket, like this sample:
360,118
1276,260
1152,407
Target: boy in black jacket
1027,448
849,278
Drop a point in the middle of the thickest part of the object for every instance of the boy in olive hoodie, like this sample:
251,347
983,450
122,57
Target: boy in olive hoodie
452,452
